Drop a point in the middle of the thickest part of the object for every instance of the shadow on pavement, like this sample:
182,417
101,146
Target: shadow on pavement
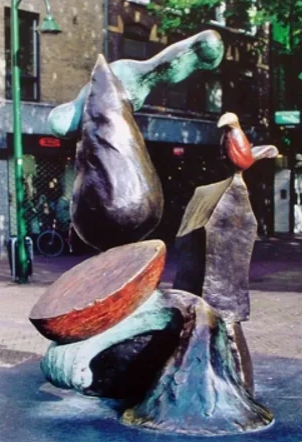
32,410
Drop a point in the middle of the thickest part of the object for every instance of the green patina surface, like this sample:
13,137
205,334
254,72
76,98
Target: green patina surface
203,51
68,366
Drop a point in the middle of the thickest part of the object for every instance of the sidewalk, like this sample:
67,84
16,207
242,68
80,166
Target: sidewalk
275,327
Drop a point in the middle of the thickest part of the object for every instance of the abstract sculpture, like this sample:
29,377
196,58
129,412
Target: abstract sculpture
203,51
237,146
176,359
117,195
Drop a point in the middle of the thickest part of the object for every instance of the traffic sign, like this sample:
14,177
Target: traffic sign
285,118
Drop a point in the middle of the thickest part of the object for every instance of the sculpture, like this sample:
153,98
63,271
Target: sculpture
107,317
237,146
215,242
172,65
117,196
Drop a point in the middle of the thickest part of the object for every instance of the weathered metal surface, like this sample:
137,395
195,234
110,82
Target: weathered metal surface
127,370
241,354
195,387
230,236
117,195
99,292
191,237
71,366
221,242
198,391
172,65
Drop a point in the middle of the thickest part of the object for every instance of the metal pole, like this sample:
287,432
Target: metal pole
105,29
292,193
47,6
21,256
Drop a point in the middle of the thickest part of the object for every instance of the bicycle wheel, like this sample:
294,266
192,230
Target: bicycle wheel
50,243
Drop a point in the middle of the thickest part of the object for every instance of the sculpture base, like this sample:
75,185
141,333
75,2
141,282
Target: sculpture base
32,409
196,385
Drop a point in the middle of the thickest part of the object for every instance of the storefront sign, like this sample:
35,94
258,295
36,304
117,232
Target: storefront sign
42,144
178,151
285,118
49,142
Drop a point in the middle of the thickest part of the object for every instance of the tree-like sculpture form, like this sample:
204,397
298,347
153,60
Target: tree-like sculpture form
177,358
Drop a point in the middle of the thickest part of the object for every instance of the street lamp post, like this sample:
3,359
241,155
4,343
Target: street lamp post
49,25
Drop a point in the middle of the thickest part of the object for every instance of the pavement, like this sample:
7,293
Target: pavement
274,336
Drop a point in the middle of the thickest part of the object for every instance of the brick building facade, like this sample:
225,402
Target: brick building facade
66,59
53,70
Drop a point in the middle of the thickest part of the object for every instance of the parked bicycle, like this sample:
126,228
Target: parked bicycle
50,242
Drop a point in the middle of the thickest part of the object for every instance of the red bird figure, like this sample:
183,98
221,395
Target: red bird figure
237,145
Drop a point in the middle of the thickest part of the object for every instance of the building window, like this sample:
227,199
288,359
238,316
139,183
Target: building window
28,56
137,46
177,96
248,100
135,49
213,95
135,42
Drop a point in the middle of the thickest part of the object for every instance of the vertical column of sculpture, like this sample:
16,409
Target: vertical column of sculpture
216,239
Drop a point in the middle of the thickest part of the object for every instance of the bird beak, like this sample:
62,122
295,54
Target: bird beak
228,119
224,120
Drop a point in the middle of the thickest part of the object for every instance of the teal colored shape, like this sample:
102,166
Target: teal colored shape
68,365
203,51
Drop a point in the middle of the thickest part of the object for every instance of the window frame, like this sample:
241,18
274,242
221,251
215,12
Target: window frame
32,19
140,42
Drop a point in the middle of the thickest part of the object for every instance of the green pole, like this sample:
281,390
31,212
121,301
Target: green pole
21,256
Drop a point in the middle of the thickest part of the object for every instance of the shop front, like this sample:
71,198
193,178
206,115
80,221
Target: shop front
48,165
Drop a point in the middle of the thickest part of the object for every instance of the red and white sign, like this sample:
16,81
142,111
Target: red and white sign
178,151
49,142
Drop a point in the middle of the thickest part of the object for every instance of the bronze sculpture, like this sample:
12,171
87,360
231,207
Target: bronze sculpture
117,195
203,51
238,147
197,369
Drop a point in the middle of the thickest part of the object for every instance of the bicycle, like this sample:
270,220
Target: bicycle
50,243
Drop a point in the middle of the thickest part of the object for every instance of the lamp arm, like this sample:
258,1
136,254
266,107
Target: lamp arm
47,6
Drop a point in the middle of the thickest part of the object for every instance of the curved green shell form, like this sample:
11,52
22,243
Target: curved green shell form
68,366
203,51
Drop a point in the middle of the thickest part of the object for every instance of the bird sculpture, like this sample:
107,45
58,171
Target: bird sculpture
238,147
